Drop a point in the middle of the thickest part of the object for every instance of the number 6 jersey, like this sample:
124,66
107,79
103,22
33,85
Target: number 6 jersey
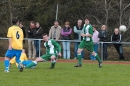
16,33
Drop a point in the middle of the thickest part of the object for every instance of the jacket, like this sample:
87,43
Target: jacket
103,35
37,33
52,30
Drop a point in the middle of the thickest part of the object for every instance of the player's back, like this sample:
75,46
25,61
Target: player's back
16,33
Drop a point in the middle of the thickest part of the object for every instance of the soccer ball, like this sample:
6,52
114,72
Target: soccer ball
122,28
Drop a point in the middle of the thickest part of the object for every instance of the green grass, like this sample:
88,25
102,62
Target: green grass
66,75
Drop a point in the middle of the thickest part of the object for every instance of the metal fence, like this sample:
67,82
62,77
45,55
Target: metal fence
1,38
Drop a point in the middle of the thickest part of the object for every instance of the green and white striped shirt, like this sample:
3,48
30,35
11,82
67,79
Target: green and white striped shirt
52,47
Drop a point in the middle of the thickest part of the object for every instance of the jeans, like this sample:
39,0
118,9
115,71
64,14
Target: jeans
104,51
37,43
76,44
119,49
30,46
66,50
95,50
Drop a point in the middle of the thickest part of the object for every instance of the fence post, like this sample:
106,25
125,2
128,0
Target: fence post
102,51
39,47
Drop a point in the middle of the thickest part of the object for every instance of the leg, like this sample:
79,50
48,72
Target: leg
98,58
53,61
29,49
79,57
121,53
75,49
96,50
68,50
64,50
34,49
105,51
9,54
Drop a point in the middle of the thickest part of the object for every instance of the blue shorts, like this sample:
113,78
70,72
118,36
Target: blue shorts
26,62
12,53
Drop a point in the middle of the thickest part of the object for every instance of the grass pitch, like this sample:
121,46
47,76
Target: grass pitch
66,75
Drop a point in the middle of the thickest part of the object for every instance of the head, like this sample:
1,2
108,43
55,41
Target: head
87,20
37,24
20,24
67,24
94,27
45,37
15,21
32,23
79,23
56,23
104,27
116,31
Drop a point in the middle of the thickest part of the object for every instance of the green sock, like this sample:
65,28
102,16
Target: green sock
98,58
79,57
53,64
30,65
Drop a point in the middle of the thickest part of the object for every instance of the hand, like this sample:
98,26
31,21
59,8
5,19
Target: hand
9,48
28,31
83,35
59,54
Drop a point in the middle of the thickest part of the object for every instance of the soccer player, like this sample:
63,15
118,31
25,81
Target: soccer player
53,49
23,59
15,35
87,43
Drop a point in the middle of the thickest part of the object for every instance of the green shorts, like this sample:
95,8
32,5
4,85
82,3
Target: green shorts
48,56
87,44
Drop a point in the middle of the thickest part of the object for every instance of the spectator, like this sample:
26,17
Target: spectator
95,41
116,37
23,28
37,35
55,30
103,35
66,35
31,42
77,36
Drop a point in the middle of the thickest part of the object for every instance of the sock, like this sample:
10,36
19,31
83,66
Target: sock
98,58
53,63
7,63
34,63
79,57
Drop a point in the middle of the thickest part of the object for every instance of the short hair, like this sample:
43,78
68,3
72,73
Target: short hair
56,21
67,23
87,17
79,20
15,20
32,22
44,34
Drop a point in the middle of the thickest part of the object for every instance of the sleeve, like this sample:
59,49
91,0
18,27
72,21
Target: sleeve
58,37
62,32
50,33
91,30
12,61
57,45
24,32
111,38
68,33
77,31
120,38
9,34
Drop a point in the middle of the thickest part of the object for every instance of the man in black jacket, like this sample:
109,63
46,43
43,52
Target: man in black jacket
116,37
103,35
37,35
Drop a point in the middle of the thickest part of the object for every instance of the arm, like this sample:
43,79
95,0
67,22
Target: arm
62,33
57,45
111,38
68,33
119,39
50,33
58,35
90,32
77,31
